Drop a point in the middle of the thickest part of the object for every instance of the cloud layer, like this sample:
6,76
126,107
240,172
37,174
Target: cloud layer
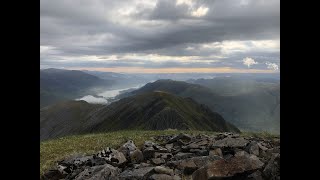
160,34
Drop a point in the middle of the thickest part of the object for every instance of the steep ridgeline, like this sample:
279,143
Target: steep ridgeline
148,111
58,84
253,106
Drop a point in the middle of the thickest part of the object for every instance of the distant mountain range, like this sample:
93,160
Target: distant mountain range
147,111
249,104
58,84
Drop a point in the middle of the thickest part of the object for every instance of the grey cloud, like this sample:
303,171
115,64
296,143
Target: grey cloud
77,28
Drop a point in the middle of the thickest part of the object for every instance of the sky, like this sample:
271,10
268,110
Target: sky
161,36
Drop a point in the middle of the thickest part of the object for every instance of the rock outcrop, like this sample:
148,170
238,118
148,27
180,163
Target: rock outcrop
201,157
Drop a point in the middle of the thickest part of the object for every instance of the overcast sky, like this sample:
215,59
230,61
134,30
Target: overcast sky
161,35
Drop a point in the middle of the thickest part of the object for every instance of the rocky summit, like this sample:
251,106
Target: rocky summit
175,157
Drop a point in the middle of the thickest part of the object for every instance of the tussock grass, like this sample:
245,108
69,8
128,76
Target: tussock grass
52,151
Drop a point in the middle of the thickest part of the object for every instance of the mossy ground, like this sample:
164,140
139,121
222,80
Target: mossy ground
52,151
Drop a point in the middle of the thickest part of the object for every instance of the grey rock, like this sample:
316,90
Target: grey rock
228,168
230,142
112,156
149,149
165,156
127,148
157,161
161,177
200,152
136,156
99,172
141,173
216,152
272,169
182,137
189,165
52,175
253,148
262,146
255,176
181,155
169,147
163,170
141,165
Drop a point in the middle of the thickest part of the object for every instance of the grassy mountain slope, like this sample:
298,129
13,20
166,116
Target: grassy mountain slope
148,111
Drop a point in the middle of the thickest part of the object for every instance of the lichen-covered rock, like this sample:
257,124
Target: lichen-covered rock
112,156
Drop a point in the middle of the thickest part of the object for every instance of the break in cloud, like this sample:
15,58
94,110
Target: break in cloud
184,35
249,61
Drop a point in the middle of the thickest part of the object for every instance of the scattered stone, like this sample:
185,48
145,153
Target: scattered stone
163,170
149,149
216,152
161,177
136,156
165,156
200,152
169,147
230,142
183,137
181,155
157,161
262,146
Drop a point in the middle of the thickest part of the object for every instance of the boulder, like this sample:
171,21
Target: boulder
112,156
228,168
136,156
253,148
189,165
127,148
272,169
